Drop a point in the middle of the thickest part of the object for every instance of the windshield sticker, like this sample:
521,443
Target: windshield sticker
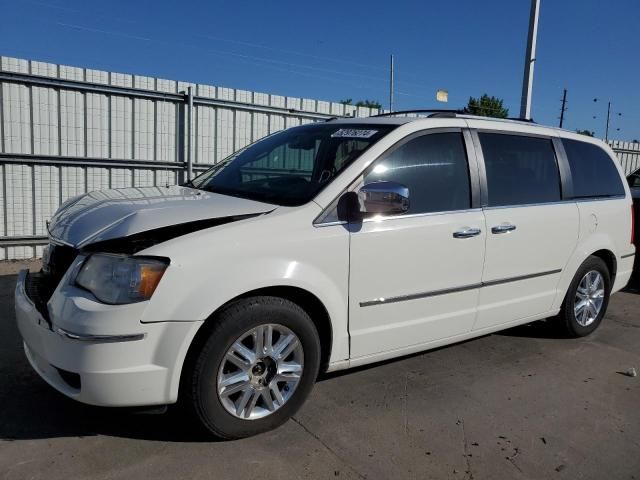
354,133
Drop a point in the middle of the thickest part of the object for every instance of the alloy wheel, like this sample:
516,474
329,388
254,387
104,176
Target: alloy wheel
589,298
260,371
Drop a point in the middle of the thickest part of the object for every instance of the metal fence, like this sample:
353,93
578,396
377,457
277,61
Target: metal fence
67,130
628,153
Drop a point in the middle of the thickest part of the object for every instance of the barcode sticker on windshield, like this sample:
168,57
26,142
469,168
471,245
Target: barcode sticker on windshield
354,133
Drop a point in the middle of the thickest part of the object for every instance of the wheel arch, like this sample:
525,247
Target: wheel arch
601,249
610,259
306,300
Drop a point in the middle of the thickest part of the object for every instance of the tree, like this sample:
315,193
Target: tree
486,106
362,103
588,133
369,104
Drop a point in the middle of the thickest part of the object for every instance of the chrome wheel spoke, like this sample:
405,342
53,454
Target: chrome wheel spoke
241,363
266,395
260,371
239,387
276,393
288,377
285,346
243,352
252,403
231,379
289,368
258,338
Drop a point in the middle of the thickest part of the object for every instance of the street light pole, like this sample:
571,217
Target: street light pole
606,133
391,85
530,58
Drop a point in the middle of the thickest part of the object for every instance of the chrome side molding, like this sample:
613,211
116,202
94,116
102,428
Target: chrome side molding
433,293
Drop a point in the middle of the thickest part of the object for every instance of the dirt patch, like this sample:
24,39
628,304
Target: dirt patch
11,267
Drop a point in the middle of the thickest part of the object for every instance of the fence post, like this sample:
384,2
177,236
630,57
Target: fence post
190,142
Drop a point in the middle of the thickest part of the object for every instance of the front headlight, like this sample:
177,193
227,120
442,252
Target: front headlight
119,279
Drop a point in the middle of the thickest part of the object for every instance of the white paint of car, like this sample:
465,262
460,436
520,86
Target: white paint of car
341,267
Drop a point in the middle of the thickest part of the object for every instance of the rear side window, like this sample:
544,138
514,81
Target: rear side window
434,167
592,170
520,170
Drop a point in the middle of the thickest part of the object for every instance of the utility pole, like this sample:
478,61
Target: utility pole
391,85
530,58
564,107
606,133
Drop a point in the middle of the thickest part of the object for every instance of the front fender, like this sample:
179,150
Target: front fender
210,268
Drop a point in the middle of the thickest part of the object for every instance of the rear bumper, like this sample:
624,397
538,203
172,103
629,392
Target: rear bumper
625,271
135,368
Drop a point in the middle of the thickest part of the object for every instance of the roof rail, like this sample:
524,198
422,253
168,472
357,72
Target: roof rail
449,113
518,119
428,110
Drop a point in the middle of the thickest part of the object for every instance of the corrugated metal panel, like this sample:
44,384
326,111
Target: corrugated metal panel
45,121
50,112
72,128
628,154
144,118
16,118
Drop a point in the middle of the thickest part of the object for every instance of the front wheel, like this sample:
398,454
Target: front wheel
255,368
587,299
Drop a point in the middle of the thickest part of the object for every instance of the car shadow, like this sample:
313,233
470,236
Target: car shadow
31,409
634,284
540,329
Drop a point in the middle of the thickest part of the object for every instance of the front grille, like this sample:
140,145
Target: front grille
40,286
39,289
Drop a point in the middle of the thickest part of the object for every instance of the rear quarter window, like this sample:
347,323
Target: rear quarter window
592,170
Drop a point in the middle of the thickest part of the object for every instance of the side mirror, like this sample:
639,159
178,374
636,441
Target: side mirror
384,198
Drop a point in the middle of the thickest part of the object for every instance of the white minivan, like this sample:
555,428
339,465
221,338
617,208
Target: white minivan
320,248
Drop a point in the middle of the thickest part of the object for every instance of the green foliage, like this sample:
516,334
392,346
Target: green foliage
486,106
362,103
369,103
588,133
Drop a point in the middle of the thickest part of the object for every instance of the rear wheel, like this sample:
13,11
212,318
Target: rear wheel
587,299
255,368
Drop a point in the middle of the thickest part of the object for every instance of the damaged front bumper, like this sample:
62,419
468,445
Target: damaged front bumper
101,354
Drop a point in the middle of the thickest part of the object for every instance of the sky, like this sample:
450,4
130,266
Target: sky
337,50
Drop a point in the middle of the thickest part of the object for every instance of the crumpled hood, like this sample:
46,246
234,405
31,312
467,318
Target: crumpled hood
110,214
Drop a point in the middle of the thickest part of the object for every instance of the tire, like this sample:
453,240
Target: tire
585,322
222,365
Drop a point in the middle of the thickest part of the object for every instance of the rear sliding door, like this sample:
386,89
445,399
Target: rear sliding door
531,225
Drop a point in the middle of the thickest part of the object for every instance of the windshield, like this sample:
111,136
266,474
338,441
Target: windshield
291,167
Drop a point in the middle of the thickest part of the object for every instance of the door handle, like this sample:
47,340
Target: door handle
505,228
467,233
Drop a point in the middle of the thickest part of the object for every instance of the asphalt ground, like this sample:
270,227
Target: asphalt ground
522,403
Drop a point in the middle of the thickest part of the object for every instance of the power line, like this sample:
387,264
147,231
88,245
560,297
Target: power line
291,52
